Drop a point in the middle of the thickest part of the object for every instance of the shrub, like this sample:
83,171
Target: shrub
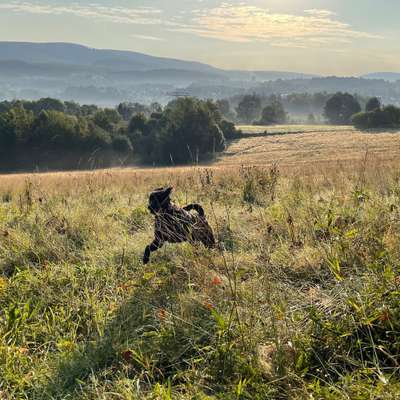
387,117
229,130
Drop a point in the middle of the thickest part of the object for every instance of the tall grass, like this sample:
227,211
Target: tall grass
301,300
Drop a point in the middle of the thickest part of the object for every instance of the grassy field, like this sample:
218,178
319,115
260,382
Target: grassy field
314,145
293,128
303,303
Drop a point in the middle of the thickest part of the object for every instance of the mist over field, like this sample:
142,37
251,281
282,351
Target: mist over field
107,77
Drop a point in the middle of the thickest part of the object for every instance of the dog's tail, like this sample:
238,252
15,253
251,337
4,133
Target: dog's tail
197,207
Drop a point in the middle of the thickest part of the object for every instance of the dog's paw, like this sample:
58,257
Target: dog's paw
146,260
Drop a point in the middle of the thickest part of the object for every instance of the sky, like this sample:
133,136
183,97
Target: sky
328,37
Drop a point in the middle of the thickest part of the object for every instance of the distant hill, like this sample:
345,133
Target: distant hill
74,54
105,77
387,76
52,56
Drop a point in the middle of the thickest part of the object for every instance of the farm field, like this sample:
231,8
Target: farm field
302,303
314,145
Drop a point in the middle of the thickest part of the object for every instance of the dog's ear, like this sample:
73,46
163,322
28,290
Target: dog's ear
168,190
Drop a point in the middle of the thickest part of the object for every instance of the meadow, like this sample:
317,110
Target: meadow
294,145
303,302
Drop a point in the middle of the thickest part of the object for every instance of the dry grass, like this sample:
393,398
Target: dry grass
292,128
339,145
302,304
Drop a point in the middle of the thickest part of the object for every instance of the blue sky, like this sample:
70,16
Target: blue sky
342,37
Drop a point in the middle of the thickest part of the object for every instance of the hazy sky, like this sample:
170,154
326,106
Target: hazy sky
343,37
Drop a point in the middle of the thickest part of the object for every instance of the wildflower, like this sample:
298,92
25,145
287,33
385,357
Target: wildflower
23,350
208,305
162,314
216,281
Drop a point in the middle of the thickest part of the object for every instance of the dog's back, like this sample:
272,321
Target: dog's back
175,225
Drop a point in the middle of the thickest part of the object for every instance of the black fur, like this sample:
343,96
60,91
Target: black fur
175,225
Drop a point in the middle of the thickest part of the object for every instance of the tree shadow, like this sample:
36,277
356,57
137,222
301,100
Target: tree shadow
377,131
136,326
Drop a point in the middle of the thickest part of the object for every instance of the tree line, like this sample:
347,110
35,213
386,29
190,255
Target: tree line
338,109
186,130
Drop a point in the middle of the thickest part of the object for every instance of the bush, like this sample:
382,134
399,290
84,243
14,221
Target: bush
229,130
387,117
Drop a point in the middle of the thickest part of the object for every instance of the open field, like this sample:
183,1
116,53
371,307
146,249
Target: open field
318,144
292,128
303,303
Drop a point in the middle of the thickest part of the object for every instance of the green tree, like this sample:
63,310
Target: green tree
340,108
249,109
53,129
373,104
107,119
47,104
8,136
273,113
192,131
122,144
138,123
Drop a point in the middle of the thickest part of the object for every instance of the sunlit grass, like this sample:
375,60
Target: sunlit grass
303,303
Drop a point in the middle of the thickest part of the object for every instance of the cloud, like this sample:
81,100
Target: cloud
320,13
141,15
145,37
243,23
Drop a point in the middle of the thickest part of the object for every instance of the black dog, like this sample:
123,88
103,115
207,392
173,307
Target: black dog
176,225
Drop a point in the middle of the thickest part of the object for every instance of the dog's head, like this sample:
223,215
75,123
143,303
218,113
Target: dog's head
159,199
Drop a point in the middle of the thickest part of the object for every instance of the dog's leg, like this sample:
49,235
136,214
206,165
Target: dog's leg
155,245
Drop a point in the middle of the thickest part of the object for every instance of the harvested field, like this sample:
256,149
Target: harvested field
317,144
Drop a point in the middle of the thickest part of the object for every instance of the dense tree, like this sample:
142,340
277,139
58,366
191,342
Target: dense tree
122,144
249,109
373,104
273,113
386,117
45,104
186,131
224,108
229,130
192,132
138,123
125,110
107,119
72,108
8,137
340,108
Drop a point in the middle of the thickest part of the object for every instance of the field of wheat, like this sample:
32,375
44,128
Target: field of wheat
301,300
